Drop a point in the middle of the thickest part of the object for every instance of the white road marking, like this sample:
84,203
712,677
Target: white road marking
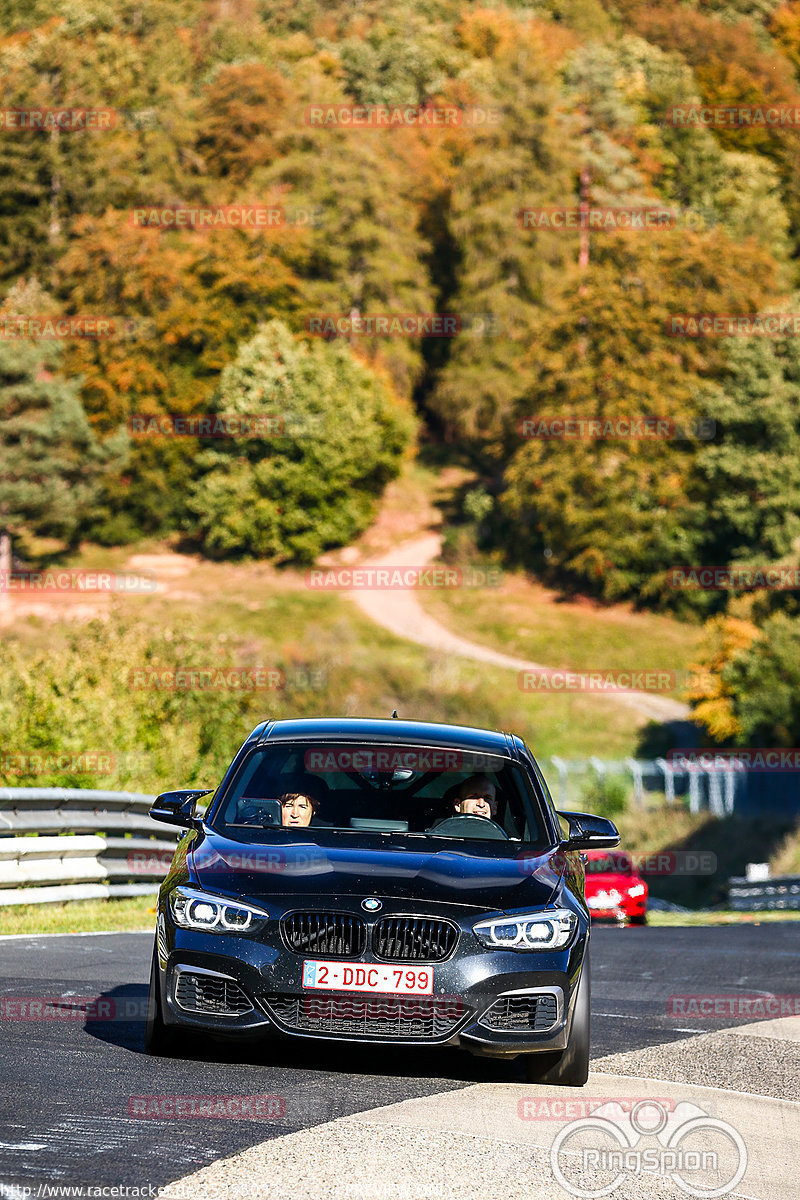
21,937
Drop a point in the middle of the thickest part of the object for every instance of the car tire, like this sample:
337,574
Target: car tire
158,1038
640,920
569,1067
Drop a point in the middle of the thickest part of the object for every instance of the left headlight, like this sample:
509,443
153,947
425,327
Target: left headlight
193,909
550,930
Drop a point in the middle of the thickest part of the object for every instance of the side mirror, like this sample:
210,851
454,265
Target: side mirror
588,832
177,808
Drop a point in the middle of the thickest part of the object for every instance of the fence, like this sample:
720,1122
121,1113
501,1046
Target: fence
736,789
718,792
780,892
90,844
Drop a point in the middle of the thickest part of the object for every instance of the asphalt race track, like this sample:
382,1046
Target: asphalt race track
68,1083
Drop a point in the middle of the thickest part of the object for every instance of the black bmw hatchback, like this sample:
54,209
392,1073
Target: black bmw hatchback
381,881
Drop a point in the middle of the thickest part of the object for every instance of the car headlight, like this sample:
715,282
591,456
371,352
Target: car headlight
636,890
549,930
193,909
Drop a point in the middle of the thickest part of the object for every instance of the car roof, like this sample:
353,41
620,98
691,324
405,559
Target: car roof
390,731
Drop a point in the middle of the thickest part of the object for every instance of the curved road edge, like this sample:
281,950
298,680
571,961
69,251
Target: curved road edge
400,612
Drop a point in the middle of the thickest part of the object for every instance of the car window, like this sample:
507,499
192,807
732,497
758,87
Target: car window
367,789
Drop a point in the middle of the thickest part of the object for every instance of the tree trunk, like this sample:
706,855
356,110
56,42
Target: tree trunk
5,571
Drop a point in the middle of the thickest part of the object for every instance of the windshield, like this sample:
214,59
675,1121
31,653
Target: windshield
391,790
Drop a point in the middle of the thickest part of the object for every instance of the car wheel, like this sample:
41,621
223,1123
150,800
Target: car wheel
640,920
569,1067
158,1038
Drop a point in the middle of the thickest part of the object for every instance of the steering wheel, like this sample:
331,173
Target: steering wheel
469,825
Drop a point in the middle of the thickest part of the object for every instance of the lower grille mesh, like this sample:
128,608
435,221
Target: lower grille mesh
417,1018
522,1014
206,994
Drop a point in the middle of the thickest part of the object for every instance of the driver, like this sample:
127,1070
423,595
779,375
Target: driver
477,796
297,808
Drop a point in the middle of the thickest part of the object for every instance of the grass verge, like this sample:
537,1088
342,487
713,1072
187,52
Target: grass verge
525,619
80,916
718,917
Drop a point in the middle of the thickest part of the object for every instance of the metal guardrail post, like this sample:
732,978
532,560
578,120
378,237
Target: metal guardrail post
669,779
637,770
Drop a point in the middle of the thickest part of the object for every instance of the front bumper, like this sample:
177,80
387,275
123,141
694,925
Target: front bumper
262,978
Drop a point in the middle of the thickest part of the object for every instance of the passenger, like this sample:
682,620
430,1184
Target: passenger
477,796
297,808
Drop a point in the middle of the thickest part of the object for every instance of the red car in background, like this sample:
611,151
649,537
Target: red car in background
613,888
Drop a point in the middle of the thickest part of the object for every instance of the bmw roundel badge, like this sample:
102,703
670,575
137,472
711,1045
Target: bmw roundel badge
371,904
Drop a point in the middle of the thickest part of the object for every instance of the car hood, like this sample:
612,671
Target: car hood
464,875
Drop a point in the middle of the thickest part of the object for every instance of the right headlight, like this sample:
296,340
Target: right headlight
195,909
549,930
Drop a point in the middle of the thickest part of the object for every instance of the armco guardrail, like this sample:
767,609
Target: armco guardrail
748,895
80,852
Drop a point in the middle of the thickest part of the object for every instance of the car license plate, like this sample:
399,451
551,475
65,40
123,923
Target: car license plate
344,977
